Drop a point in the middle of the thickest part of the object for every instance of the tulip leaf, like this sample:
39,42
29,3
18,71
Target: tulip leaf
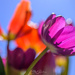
2,71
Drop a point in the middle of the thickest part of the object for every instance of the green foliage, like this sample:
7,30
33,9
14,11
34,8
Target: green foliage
2,71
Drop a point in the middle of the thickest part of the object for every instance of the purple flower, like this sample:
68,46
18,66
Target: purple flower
19,59
45,66
57,36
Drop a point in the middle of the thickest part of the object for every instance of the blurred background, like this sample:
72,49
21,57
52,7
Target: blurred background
41,9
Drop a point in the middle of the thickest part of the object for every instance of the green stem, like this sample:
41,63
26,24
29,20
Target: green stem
7,65
35,61
66,68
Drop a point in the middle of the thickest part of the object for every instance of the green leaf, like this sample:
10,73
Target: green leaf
2,71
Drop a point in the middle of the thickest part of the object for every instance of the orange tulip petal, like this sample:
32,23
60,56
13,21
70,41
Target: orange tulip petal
22,14
1,30
31,40
26,29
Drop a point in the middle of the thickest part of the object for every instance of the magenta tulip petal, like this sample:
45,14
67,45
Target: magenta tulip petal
47,24
4,61
66,52
40,27
50,18
45,65
68,42
57,24
68,30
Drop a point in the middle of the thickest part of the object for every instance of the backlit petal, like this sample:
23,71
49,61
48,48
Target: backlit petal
57,24
31,40
20,17
66,33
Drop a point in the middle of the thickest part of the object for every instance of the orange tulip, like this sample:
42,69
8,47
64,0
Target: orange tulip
31,40
27,36
21,16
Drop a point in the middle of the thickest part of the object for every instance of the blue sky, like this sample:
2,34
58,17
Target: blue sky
41,9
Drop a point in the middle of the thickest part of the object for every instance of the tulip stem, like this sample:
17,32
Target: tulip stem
35,61
66,68
7,65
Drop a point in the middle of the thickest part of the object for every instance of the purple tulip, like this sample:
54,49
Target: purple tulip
45,66
58,37
19,59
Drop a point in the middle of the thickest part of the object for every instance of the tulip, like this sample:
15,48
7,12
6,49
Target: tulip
58,37
19,59
31,40
18,23
45,66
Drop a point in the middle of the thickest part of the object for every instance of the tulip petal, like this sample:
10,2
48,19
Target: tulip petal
40,28
1,30
68,30
21,16
57,24
66,52
16,58
29,57
46,25
50,18
45,66
31,40
26,29
19,59
4,61
70,42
